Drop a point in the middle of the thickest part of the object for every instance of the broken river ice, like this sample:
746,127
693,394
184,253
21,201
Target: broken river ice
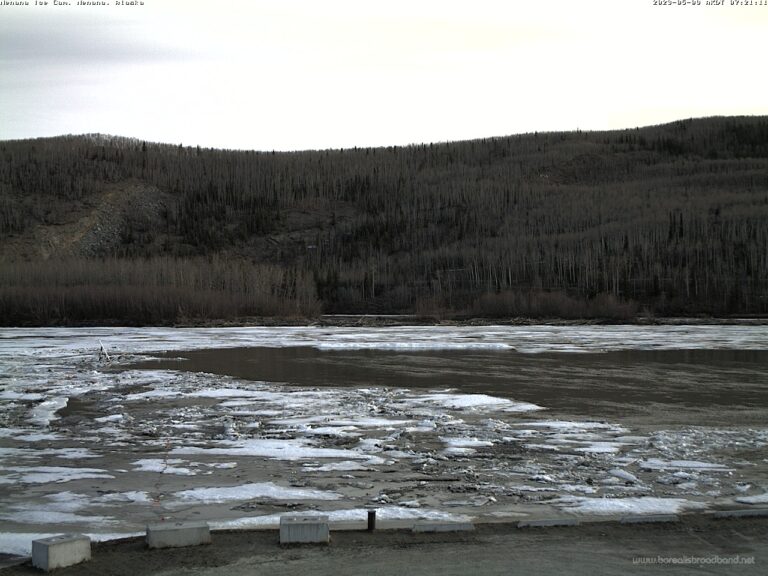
103,448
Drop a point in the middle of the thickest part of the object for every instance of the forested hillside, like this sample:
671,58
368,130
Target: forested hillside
667,220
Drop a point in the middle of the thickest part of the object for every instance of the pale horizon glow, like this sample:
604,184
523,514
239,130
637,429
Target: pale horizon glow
303,74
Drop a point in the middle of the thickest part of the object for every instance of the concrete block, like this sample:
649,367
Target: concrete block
746,513
60,551
443,527
178,534
306,529
548,522
649,518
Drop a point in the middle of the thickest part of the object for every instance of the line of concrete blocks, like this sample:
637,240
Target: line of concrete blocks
300,529
70,549
314,529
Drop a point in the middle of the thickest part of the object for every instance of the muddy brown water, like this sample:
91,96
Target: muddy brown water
639,386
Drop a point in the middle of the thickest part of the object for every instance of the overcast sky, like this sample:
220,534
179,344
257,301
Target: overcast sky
297,74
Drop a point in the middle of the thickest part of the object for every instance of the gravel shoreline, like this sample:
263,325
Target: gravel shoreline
695,545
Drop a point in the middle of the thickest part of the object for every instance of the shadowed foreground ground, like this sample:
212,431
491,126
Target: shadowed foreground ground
595,548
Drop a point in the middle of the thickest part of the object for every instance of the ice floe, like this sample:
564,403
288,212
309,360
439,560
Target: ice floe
110,418
757,499
623,475
473,401
454,442
573,426
600,447
345,466
636,505
132,496
38,437
249,491
40,516
295,449
162,466
657,464
63,343
51,474
45,411
21,396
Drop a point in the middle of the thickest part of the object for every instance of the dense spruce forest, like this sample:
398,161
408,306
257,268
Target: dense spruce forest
664,220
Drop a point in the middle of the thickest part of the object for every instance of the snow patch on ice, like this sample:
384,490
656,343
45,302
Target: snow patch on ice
32,516
66,501
110,418
71,453
345,466
371,422
38,437
600,448
60,508
632,505
657,464
42,414
623,475
572,425
150,394
296,449
58,474
473,402
758,499
227,393
163,466
250,491
456,451
133,497
458,442
21,396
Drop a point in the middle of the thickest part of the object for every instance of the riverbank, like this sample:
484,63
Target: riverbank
697,544
395,320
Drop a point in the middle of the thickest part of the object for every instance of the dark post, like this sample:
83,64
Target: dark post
371,520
